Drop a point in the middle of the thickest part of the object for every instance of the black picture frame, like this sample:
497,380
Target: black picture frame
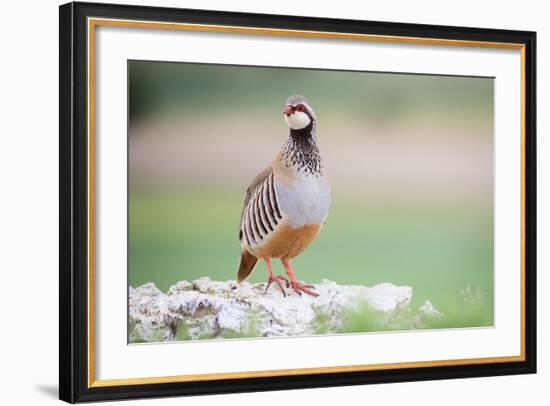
73,284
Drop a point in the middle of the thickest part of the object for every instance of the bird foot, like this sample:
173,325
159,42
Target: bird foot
278,279
300,287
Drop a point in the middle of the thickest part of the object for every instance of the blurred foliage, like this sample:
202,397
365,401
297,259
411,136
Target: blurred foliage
458,314
164,88
364,320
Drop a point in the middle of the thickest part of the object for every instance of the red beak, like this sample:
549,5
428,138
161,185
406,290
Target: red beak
288,111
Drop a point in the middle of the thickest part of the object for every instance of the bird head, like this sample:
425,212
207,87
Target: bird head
298,113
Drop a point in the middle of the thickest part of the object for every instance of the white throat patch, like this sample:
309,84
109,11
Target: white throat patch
298,120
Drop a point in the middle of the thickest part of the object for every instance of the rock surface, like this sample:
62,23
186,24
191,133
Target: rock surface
206,309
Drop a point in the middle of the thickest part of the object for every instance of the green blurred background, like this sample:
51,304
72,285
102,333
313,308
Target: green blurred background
410,159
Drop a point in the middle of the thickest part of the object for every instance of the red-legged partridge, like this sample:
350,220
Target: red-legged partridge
287,204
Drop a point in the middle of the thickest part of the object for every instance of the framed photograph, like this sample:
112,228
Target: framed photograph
257,202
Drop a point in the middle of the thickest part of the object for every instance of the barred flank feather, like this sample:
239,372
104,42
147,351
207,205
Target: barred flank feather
261,213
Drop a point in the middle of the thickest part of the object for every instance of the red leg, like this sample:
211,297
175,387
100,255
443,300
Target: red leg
274,278
297,286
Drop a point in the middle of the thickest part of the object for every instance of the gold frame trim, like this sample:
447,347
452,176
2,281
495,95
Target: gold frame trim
94,22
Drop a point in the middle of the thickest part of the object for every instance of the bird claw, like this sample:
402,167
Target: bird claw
277,279
300,287
296,286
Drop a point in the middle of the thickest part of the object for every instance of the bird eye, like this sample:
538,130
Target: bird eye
300,107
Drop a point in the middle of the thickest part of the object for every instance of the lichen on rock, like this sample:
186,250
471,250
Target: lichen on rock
207,309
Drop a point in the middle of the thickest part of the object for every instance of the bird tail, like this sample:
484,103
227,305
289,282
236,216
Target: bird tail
248,261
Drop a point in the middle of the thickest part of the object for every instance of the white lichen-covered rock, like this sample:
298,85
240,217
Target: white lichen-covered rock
205,309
